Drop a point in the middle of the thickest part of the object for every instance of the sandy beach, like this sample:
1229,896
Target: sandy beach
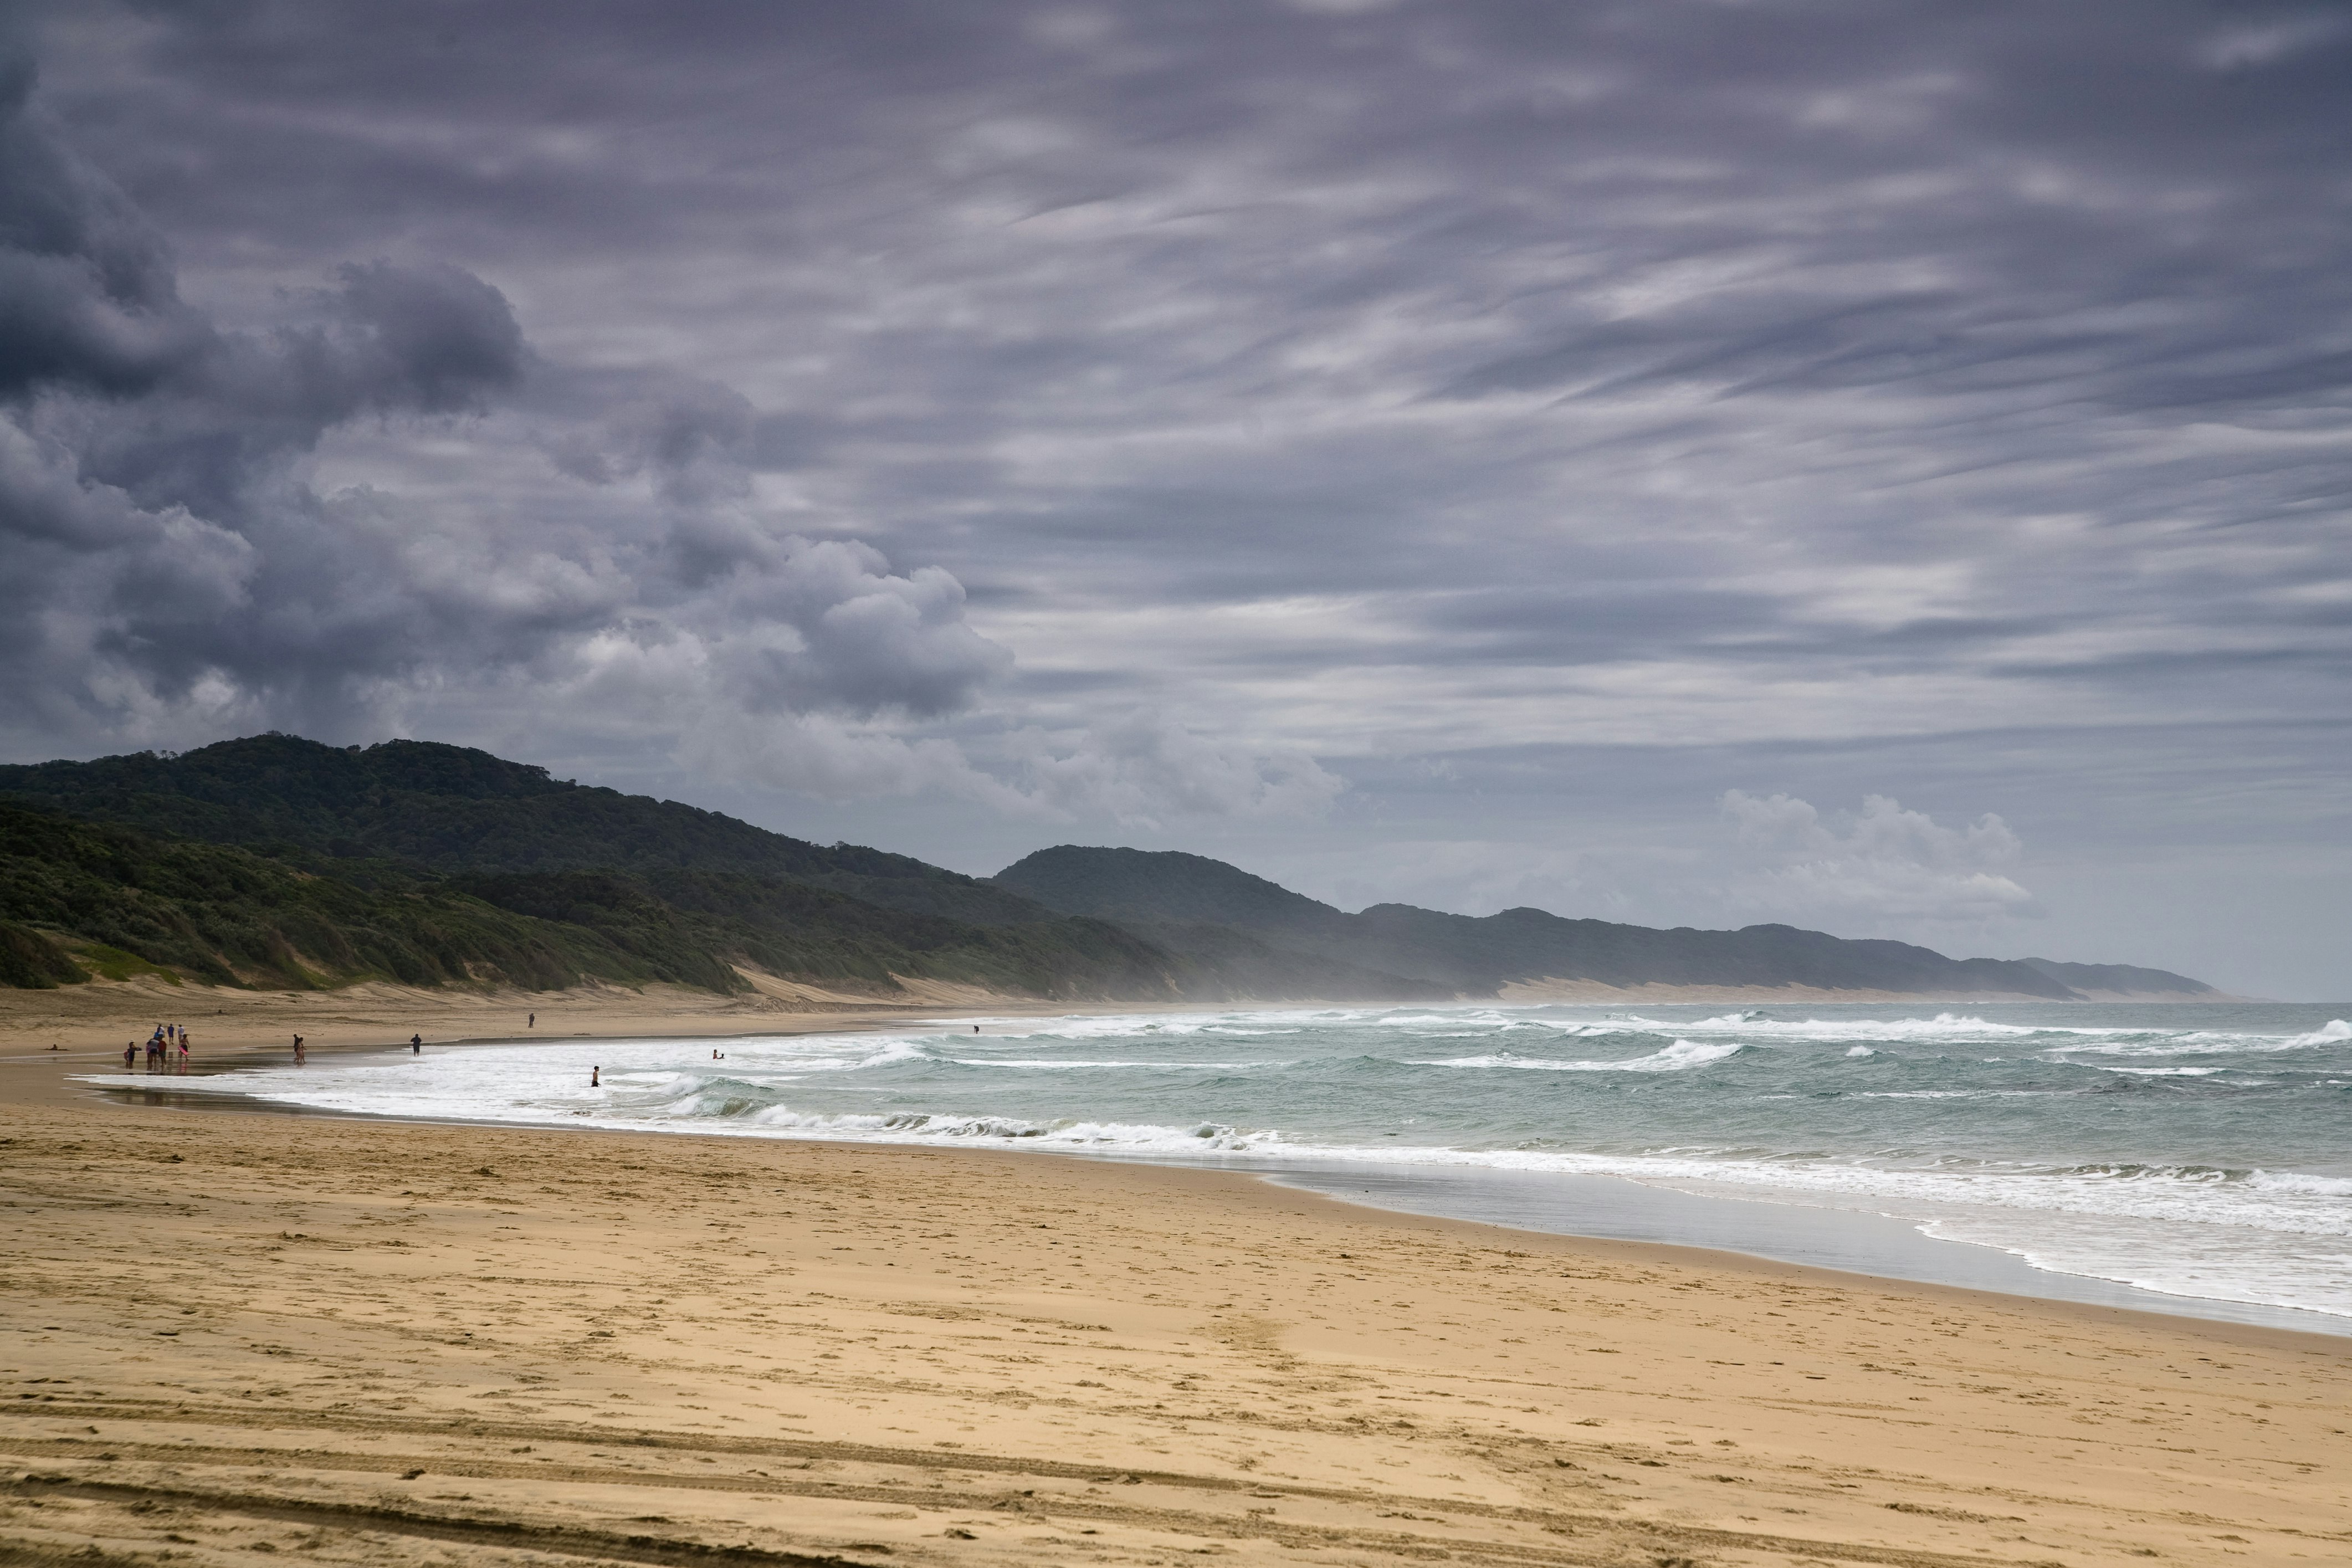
230,1332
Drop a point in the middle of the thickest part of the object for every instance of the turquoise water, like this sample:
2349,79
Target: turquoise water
2201,1152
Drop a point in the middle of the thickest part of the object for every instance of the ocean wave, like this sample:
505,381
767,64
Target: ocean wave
917,1127
1942,1027
2205,1042
1677,1058
1960,1093
1049,1064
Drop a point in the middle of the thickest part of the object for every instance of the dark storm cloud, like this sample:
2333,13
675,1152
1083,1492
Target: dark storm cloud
1372,382
166,549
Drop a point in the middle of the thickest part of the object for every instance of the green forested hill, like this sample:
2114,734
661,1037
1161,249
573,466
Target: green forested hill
454,809
122,902
79,897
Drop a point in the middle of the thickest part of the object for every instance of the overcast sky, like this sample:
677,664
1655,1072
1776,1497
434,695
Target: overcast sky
1881,466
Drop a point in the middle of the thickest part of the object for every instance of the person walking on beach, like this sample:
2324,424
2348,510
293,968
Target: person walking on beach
130,1056
184,1051
534,1022
299,1057
416,1045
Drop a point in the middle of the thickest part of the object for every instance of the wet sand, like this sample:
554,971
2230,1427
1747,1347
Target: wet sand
228,1027
229,1333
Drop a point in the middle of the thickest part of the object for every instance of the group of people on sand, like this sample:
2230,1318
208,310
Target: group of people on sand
167,1050
170,1041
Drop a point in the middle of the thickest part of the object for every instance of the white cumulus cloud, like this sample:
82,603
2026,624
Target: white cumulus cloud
1881,862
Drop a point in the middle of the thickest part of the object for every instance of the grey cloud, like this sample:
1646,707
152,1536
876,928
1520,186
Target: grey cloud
178,566
168,553
86,294
700,439
859,638
434,338
1886,863
1373,386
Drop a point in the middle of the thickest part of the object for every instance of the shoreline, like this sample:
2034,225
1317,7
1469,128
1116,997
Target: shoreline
2280,1334
377,1342
1967,1267
1190,1173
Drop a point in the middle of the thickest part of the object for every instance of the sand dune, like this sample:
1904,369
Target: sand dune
224,1333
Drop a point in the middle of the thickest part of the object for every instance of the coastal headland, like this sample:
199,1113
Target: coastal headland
229,1333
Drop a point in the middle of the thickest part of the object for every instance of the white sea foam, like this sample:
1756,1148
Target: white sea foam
1964,1094
1052,1064
1677,1058
2203,1042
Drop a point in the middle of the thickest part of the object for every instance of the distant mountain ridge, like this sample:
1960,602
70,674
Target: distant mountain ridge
1161,893
275,860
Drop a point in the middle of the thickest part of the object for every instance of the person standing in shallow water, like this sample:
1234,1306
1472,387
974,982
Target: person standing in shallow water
416,1045
594,1076
299,1057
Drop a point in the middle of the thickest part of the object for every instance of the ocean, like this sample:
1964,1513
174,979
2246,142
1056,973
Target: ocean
2194,1158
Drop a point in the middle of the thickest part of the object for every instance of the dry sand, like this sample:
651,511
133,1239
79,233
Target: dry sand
224,1333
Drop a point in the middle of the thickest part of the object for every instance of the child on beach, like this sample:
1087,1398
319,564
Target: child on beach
130,1056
